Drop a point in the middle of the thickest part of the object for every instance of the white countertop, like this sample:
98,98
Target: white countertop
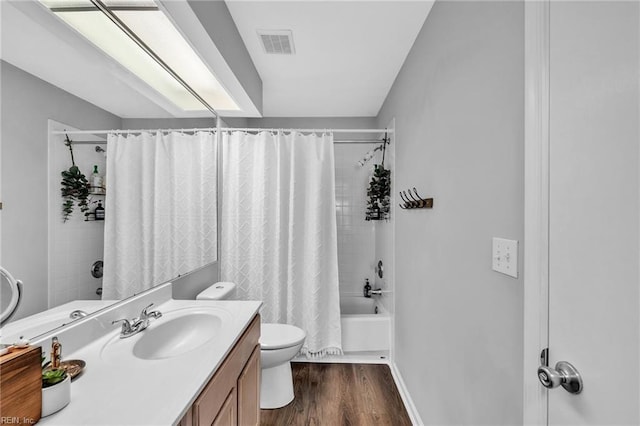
117,390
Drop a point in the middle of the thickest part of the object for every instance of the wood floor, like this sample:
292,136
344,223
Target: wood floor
341,394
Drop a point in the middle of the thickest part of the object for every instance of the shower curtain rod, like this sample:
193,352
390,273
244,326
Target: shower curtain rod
211,129
338,141
224,129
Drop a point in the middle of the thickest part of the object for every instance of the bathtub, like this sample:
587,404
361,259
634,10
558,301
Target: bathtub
365,325
42,322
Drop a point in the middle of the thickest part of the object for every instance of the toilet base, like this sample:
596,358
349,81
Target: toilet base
276,386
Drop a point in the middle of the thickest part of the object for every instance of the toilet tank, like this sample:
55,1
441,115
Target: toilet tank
219,291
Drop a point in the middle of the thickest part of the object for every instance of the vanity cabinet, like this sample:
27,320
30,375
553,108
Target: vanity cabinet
232,396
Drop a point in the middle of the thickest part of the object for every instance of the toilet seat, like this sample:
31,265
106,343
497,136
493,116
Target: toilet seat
280,336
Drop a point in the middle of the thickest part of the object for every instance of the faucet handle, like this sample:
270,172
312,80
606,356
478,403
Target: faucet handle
144,315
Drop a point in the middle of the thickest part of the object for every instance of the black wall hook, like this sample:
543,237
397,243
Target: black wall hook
414,202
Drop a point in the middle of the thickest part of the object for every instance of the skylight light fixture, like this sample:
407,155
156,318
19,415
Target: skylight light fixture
175,58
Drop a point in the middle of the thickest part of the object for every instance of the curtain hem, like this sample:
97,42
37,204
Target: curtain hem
321,353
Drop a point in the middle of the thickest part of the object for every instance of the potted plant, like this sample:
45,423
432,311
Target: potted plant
56,389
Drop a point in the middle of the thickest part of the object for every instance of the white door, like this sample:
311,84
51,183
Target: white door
594,218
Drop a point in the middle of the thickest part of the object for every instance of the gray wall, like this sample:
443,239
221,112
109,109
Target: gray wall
188,286
314,123
458,103
180,123
167,123
27,104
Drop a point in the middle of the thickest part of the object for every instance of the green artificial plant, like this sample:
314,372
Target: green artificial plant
379,191
75,188
51,376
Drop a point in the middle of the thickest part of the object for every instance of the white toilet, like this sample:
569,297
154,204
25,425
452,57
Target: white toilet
279,343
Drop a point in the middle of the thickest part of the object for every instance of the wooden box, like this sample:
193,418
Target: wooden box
21,386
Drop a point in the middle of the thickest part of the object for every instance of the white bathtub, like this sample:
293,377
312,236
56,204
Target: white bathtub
42,322
362,328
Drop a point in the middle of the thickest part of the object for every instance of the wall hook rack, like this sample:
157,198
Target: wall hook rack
417,202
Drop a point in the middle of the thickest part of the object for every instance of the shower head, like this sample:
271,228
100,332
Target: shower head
368,156
102,150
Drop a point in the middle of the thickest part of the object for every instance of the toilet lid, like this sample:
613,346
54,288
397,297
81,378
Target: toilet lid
278,336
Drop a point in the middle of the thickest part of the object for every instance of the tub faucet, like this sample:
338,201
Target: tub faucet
374,292
77,314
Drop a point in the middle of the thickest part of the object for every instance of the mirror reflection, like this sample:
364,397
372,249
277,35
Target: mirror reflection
54,189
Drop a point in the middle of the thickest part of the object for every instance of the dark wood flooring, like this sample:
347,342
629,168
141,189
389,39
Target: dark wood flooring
340,395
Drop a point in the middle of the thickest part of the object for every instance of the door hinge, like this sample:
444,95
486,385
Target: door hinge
544,357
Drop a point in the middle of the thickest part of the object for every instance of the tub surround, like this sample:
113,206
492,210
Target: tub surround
126,390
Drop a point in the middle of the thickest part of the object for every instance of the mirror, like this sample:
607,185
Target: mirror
13,287
49,73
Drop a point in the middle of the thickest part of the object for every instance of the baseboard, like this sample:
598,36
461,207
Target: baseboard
372,357
404,394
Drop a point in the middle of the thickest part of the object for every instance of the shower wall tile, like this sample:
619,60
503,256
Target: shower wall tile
356,236
76,244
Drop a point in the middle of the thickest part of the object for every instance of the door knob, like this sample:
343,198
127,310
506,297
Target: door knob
564,374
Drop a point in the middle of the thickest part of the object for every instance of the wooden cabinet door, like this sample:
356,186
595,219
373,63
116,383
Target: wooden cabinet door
249,391
228,416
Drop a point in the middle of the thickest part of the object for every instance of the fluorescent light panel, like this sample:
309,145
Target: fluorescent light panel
157,32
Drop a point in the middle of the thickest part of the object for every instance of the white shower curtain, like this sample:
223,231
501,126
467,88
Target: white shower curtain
278,233
160,212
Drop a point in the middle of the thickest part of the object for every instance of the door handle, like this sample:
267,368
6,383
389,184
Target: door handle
564,374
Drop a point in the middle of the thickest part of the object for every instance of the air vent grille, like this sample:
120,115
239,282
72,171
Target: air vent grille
278,42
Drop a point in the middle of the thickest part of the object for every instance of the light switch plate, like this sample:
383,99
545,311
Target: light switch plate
505,256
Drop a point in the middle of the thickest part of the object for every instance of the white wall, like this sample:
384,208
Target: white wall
27,104
458,103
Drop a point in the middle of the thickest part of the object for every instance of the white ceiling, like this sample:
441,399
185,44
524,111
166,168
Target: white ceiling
347,53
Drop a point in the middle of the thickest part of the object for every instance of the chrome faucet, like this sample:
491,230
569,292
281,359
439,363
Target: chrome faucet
136,325
375,292
145,316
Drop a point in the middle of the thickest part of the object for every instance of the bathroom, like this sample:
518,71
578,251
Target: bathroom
518,119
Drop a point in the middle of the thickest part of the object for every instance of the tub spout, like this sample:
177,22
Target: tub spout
77,314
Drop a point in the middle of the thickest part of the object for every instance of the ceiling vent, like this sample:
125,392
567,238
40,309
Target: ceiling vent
277,42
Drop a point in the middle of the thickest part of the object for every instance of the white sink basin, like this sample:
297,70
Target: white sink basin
177,336
176,333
